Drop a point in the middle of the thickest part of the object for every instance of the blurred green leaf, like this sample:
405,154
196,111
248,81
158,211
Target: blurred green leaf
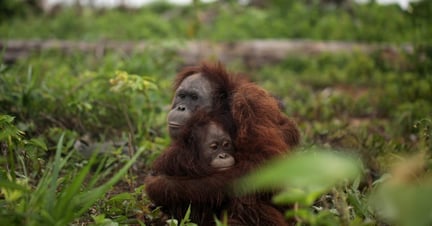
302,178
306,174
404,205
404,198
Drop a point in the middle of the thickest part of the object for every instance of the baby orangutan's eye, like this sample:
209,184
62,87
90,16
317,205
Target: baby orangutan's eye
226,144
213,146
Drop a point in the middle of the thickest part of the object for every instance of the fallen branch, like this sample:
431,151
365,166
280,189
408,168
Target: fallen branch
253,53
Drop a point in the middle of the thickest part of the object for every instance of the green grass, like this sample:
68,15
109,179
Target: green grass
365,104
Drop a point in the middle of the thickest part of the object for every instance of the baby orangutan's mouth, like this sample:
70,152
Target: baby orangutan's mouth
223,168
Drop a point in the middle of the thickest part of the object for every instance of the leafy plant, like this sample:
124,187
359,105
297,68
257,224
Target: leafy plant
184,222
56,199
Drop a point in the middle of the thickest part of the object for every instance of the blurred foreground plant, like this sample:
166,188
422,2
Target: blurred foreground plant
302,178
323,188
403,197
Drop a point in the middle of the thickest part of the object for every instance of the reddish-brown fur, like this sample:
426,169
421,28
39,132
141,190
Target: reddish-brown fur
180,178
260,132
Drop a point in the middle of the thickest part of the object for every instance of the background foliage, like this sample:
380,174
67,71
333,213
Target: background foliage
377,106
314,19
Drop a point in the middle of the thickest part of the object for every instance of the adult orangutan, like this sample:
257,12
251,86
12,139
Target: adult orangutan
256,114
258,129
202,87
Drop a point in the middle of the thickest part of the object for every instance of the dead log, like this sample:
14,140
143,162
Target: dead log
253,53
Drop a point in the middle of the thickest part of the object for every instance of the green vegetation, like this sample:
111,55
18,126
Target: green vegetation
377,106
280,19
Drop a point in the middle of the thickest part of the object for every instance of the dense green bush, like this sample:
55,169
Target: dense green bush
228,21
75,92
17,8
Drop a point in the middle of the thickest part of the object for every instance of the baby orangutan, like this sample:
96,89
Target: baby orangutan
216,148
191,171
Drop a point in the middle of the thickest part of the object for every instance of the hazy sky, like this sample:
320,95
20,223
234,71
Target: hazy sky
137,3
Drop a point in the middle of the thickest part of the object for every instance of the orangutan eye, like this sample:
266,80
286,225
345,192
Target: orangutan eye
226,144
181,95
213,146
